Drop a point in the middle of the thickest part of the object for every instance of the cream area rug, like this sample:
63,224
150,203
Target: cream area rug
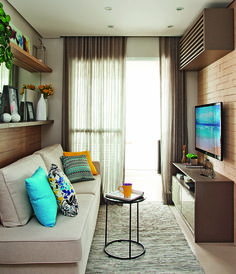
167,250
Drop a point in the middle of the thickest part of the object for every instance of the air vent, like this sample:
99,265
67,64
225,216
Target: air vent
208,39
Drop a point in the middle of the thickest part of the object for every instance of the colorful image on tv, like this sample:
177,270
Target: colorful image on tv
208,128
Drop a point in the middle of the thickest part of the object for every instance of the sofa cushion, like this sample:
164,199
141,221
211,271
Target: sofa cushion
87,153
77,168
15,207
64,243
51,155
64,191
42,197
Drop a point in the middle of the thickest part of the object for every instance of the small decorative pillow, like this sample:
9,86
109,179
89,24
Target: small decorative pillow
87,153
42,198
63,191
77,168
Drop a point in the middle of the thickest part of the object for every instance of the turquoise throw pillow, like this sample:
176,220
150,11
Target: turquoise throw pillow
42,198
77,168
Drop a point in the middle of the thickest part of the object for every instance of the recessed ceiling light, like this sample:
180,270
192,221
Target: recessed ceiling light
108,8
110,26
179,8
170,26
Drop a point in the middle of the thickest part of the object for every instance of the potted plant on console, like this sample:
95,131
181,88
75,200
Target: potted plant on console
193,159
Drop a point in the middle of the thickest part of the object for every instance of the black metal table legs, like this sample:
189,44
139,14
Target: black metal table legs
130,241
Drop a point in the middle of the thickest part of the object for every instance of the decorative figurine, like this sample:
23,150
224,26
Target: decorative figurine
184,157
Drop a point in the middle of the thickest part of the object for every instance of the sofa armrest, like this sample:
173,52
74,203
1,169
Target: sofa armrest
97,166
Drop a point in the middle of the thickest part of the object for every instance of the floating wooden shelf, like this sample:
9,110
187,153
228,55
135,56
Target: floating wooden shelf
25,124
26,61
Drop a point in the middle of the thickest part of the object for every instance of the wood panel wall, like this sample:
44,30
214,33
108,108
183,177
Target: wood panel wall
18,142
217,83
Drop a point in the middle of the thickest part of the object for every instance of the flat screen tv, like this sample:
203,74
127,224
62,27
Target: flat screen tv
208,130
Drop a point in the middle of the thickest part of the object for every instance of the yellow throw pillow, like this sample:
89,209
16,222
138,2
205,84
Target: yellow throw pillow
87,153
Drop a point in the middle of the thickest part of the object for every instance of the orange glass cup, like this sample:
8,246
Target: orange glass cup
126,189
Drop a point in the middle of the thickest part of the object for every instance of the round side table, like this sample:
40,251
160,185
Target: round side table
130,241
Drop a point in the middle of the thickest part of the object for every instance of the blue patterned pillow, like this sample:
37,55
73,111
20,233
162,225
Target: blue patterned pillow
77,168
63,191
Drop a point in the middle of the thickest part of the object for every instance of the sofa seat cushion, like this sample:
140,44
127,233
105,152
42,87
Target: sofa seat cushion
51,155
88,187
15,207
63,243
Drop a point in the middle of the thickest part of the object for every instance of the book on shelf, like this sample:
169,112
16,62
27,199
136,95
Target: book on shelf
136,194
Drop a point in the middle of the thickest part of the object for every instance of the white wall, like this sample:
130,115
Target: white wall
51,134
139,47
191,93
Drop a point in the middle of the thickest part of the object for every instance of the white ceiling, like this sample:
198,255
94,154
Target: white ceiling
55,18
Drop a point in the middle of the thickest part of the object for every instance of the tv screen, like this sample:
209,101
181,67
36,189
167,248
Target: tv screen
208,130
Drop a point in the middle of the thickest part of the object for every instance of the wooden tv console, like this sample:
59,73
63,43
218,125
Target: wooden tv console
208,209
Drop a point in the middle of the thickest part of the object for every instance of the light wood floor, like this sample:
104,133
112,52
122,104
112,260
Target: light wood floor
215,258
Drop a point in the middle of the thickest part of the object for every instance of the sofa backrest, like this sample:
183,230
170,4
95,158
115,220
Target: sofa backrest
15,206
51,155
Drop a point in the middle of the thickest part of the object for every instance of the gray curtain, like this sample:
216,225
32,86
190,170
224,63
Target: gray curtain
173,112
94,103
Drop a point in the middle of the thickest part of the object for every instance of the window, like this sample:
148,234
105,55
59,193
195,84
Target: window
142,113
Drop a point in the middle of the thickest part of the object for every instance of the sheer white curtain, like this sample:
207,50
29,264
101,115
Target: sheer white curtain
94,103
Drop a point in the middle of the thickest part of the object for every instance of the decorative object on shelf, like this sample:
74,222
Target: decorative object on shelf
15,117
9,100
6,117
30,111
19,39
29,95
208,169
41,109
27,111
46,91
184,157
41,53
30,86
6,55
193,159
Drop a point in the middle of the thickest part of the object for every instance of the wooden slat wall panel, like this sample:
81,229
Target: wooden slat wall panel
16,143
217,82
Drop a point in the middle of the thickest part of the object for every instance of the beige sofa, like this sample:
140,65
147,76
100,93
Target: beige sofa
28,247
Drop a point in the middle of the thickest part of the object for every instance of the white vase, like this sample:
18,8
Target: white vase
41,109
